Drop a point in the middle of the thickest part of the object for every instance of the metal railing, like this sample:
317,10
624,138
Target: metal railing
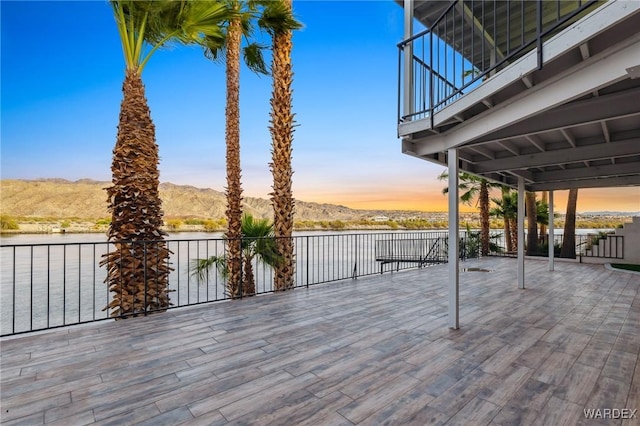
601,245
471,41
45,286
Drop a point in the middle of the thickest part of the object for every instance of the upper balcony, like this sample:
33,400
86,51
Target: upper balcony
502,79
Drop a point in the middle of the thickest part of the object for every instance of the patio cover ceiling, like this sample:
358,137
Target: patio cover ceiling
575,123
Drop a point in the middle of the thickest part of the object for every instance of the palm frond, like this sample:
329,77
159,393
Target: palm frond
267,250
202,22
258,240
202,266
277,18
215,49
254,59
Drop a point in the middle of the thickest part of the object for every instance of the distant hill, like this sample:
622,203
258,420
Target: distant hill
87,199
611,214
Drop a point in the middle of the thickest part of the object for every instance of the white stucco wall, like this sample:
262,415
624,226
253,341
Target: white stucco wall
631,234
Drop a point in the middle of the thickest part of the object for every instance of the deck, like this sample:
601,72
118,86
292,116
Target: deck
369,351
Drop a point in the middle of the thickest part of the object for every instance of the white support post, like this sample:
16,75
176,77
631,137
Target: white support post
408,84
551,232
520,232
454,241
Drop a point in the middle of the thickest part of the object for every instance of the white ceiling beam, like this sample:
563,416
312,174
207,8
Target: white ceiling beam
607,136
483,151
528,176
569,137
584,50
592,110
527,81
536,142
590,183
587,172
586,54
512,149
629,147
605,131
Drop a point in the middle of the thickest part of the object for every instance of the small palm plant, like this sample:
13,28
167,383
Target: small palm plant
257,240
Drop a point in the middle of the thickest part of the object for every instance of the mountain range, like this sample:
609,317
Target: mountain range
87,199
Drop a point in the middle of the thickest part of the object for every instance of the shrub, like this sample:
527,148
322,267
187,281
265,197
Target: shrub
337,224
210,225
174,224
8,222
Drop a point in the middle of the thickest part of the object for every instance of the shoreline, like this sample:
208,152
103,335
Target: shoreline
6,232
52,226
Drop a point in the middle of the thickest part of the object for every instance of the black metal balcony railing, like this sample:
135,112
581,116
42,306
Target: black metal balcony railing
602,246
45,286
471,41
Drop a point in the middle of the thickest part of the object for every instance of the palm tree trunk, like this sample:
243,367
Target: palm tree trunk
513,227
543,227
569,237
234,188
138,269
532,225
483,200
249,286
507,234
282,120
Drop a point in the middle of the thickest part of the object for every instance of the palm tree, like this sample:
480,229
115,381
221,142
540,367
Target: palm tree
257,240
532,223
543,226
569,234
240,24
506,207
542,213
473,186
138,268
273,17
282,122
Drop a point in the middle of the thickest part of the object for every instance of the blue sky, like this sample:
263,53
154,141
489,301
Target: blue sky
61,76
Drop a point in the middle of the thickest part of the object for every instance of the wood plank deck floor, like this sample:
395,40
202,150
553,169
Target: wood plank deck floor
372,351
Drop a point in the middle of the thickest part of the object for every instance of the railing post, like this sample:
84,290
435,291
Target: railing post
240,284
354,275
307,237
79,283
431,79
539,32
144,275
408,61
31,288
64,283
551,237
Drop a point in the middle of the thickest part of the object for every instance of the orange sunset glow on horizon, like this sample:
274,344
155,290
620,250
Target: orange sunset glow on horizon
431,199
